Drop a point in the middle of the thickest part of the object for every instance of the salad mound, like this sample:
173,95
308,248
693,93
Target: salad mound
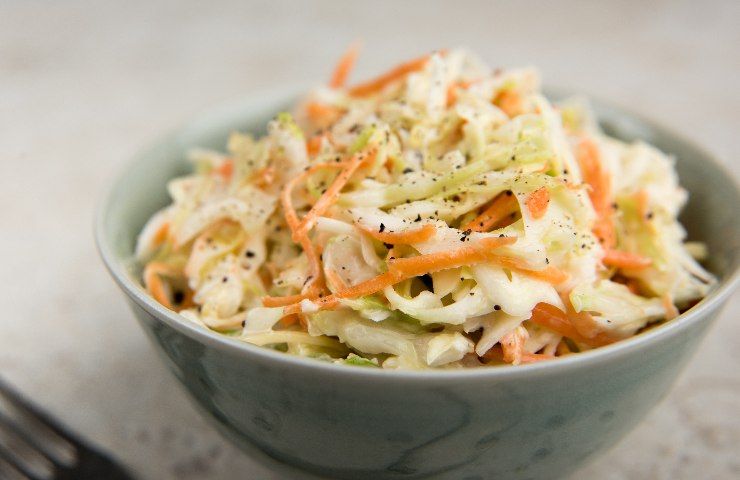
441,215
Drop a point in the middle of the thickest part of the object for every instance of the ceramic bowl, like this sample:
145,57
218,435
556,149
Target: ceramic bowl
318,420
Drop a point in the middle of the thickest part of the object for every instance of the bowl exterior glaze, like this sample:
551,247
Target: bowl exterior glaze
311,419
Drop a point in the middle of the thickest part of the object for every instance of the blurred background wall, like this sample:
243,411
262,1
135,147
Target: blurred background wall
84,84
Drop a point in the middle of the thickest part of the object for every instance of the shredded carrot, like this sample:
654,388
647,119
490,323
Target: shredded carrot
550,316
314,283
642,198
510,101
269,301
161,234
335,280
408,237
562,348
537,202
397,73
368,287
313,286
154,284
344,67
264,177
329,197
631,283
226,169
188,301
321,114
600,194
502,206
496,353
626,260
478,252
403,268
313,145
289,320
671,311
634,286
453,88
291,218
643,201
512,345
550,274
535,357
323,303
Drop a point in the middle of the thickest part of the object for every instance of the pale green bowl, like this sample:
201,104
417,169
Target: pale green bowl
533,421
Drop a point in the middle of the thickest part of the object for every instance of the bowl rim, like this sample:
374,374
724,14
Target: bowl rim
117,270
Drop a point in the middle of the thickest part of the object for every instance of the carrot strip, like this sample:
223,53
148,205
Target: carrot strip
502,206
161,234
313,287
404,268
344,67
559,321
512,345
535,357
600,194
373,285
289,320
496,353
154,284
643,201
550,274
562,348
323,303
481,251
291,218
269,301
397,73
226,169
537,202
264,177
510,102
329,197
670,307
313,145
335,280
627,260
322,114
453,88
410,236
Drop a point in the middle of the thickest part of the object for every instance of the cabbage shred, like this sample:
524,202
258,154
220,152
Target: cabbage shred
449,139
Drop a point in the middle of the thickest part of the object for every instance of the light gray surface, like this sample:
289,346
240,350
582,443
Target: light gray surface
84,84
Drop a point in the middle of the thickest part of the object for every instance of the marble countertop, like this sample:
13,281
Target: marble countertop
84,84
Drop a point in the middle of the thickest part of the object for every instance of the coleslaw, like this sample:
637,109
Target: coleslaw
441,215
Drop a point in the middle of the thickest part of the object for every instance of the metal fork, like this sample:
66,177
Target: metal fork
35,446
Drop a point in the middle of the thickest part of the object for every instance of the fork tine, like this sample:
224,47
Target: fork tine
16,440
22,455
9,472
36,434
29,409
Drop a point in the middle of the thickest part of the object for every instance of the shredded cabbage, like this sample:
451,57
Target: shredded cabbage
427,219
